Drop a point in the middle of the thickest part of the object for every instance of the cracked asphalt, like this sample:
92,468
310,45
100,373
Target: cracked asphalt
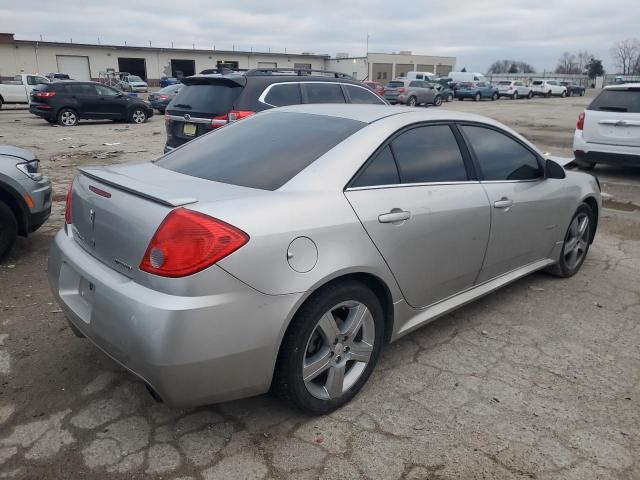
540,380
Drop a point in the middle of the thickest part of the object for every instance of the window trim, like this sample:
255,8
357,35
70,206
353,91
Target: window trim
347,97
470,168
474,157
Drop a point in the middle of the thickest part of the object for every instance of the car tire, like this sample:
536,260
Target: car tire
0,103
412,101
576,243
530,95
316,336
138,115
437,101
477,97
67,117
563,94
569,94
450,97
584,164
494,97
549,94
8,229
582,93
515,96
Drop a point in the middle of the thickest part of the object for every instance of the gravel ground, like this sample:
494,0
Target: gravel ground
539,380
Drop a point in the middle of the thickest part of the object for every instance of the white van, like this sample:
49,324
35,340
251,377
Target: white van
458,77
428,76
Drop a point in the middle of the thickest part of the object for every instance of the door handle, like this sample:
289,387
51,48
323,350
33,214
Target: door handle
394,216
504,202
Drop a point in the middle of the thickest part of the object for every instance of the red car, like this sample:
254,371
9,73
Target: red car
376,87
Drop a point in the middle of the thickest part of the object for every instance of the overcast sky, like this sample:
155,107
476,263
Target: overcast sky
477,32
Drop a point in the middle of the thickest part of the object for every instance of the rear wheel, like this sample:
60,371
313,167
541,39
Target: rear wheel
569,93
563,94
67,117
582,93
412,102
576,243
330,348
0,103
477,97
530,95
549,94
437,101
516,96
8,229
138,115
450,97
494,97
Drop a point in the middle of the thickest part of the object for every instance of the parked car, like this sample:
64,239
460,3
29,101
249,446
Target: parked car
476,90
18,91
166,81
427,76
160,99
133,83
608,131
514,89
376,87
25,196
54,77
460,77
445,92
573,89
547,88
194,272
207,102
412,92
68,101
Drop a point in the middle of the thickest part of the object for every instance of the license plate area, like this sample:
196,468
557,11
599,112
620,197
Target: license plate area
189,129
77,292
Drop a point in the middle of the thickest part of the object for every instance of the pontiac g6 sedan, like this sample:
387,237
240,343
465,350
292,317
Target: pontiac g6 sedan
283,251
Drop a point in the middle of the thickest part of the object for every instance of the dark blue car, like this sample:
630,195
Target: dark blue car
476,90
166,81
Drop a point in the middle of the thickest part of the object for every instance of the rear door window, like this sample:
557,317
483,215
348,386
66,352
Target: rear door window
264,151
82,89
362,95
429,154
380,170
284,94
611,100
323,92
501,157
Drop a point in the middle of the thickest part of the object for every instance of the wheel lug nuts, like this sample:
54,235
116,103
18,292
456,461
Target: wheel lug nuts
338,358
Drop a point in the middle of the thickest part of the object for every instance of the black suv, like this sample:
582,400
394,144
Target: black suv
66,102
209,101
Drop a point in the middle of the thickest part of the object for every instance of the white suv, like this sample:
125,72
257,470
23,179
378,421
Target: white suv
608,131
548,87
514,90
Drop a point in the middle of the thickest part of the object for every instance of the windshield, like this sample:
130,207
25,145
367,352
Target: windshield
264,151
135,78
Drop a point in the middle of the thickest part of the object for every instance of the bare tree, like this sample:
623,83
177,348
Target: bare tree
583,59
626,53
567,63
510,66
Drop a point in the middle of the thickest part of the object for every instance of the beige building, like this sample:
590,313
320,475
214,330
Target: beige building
383,67
85,61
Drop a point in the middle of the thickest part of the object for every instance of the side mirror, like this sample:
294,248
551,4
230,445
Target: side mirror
553,170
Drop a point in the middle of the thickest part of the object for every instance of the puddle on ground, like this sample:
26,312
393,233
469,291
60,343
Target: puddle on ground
625,207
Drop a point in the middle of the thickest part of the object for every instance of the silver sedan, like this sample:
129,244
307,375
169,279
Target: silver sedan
285,250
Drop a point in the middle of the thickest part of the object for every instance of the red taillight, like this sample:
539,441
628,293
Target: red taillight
44,94
232,116
187,242
67,210
401,90
163,97
580,123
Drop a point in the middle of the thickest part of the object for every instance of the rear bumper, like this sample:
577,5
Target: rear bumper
192,350
44,111
602,153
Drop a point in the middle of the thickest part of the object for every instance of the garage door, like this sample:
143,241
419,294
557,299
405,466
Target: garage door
74,66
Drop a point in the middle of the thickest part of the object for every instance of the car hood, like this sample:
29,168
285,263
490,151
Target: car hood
16,152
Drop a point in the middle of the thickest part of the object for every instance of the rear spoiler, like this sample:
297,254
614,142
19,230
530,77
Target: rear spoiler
214,79
136,187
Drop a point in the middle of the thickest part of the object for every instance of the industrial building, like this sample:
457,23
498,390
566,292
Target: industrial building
88,61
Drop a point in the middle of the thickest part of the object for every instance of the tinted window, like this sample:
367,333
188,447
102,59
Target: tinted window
500,157
415,83
264,151
106,91
171,88
214,99
82,89
537,82
381,170
286,94
617,101
395,84
323,93
429,154
361,95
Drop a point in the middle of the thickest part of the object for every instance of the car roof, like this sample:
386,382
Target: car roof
623,86
372,113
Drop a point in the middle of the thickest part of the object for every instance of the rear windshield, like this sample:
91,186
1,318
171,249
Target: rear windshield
617,101
215,99
467,85
395,84
504,83
537,82
264,151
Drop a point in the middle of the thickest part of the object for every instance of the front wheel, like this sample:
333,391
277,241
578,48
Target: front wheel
576,243
582,93
569,93
412,102
67,117
330,348
494,97
138,115
450,97
530,95
8,229
477,97
437,101
516,96
563,94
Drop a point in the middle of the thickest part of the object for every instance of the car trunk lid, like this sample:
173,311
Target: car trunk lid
614,118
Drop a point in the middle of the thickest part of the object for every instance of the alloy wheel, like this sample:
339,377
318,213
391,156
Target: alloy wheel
138,116
338,350
577,241
68,118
